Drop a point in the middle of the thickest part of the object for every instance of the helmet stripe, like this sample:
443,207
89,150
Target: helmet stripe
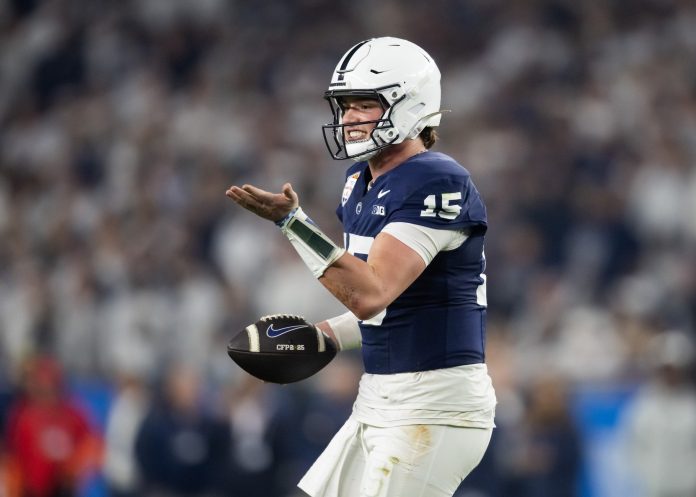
347,58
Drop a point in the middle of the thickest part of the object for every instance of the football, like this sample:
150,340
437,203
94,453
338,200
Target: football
281,348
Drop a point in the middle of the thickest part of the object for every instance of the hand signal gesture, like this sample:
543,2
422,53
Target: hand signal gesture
271,206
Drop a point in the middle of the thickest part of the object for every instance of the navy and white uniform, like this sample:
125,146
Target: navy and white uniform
439,321
426,404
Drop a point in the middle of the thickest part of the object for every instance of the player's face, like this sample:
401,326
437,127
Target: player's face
358,110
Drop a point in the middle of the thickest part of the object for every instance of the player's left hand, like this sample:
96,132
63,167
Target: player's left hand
271,206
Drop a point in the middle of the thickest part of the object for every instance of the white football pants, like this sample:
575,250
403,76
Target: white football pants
402,461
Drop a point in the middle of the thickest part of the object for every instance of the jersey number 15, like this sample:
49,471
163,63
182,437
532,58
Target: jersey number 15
447,209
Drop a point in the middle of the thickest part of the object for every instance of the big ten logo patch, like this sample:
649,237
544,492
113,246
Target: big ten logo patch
378,210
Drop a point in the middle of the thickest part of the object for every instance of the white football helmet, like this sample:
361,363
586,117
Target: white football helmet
402,77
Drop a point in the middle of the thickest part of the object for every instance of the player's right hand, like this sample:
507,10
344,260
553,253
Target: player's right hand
271,206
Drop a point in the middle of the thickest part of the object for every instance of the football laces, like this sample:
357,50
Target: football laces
281,316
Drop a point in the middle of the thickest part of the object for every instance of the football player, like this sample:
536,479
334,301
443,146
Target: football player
411,273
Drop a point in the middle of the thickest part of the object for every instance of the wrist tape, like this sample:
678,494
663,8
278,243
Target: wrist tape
315,248
346,330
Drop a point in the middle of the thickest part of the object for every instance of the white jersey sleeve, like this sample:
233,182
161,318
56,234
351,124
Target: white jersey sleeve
427,242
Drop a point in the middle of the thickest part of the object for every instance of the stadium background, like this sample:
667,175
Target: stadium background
123,122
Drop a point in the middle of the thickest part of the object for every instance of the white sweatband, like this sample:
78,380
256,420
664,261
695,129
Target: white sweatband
346,330
315,248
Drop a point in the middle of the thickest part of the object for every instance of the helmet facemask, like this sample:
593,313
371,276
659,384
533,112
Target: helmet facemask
381,136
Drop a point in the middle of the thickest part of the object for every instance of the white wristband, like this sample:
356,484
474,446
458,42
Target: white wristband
315,248
346,330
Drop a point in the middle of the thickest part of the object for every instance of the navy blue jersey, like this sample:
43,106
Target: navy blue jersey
440,320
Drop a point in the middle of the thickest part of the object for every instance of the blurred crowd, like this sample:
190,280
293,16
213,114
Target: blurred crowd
122,262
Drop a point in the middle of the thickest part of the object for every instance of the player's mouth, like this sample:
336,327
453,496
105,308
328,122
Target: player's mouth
356,135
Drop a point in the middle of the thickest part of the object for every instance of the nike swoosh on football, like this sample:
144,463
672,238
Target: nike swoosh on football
382,193
271,332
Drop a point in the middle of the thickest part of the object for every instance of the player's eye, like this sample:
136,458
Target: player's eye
369,105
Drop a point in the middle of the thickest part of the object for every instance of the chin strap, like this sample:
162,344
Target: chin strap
316,249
